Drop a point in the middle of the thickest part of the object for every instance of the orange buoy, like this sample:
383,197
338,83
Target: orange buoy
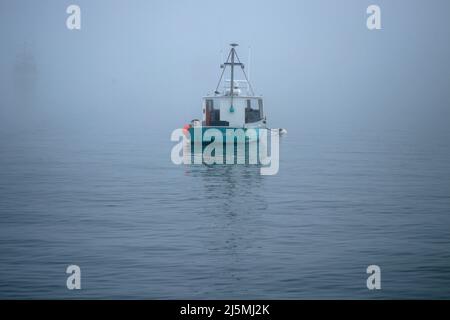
186,129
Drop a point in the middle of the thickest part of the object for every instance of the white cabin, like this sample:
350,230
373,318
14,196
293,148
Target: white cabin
241,111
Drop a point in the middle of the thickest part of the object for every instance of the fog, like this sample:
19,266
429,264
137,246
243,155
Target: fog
144,65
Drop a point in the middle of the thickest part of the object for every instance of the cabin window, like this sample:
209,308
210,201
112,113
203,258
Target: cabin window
260,105
253,110
212,114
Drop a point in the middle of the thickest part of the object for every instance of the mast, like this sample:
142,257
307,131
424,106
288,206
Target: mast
231,61
232,69
233,52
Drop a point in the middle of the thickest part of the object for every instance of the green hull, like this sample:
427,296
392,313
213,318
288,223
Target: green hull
197,134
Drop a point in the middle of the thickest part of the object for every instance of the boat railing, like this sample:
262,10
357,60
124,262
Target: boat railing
239,86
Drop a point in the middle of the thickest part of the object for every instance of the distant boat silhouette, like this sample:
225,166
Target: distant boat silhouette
25,74
25,64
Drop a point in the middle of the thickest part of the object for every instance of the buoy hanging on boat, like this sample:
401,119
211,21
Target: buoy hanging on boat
186,129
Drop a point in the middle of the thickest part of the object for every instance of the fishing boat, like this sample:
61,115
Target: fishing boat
233,107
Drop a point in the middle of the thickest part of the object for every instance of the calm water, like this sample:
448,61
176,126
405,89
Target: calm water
112,202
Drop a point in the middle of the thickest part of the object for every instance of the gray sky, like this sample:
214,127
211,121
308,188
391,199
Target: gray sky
139,62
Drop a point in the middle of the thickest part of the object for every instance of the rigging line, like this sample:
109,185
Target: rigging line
245,75
223,71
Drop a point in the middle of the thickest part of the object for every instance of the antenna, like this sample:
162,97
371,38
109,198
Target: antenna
248,63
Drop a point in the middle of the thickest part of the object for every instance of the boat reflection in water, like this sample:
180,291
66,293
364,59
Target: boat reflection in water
235,188
248,153
232,209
